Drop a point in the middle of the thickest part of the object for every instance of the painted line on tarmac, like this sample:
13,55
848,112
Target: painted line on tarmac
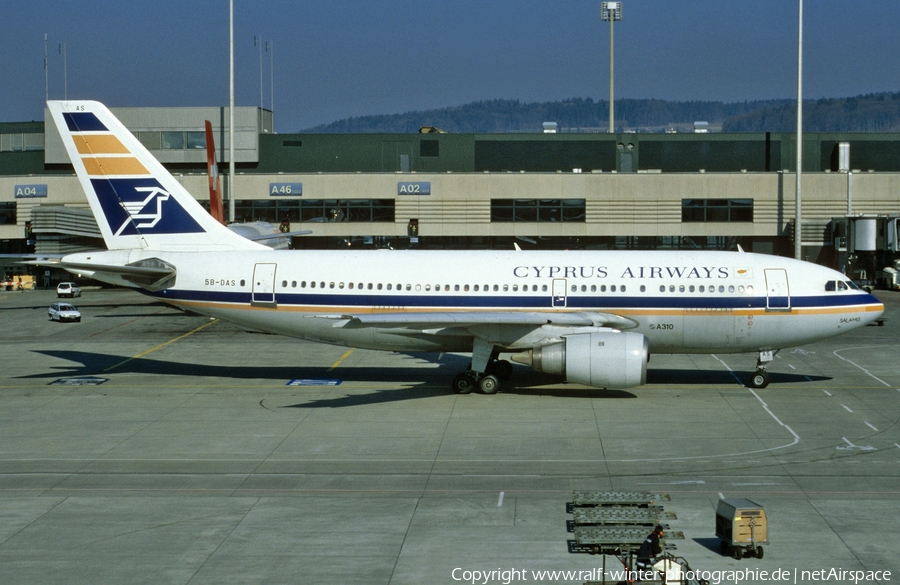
160,346
764,405
859,366
335,365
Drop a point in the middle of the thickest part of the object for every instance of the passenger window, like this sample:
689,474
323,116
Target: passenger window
330,285
389,286
466,288
574,288
721,288
691,288
749,290
593,288
283,284
643,288
681,288
505,287
475,288
379,286
447,287
515,288
544,288
350,286
622,288
302,284
312,285
612,288
701,289
341,285
671,288
662,288
408,287
731,288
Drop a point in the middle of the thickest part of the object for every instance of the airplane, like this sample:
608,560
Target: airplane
592,317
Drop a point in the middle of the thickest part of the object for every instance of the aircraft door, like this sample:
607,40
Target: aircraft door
559,292
263,285
778,297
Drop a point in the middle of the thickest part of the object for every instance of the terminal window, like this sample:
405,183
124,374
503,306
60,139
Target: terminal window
347,210
537,210
722,210
8,213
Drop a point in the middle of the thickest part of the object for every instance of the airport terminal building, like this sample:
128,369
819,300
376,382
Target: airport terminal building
562,190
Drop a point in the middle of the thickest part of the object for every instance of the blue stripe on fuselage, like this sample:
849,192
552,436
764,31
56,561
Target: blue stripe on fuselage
531,302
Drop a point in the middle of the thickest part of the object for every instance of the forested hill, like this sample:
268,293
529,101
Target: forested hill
866,113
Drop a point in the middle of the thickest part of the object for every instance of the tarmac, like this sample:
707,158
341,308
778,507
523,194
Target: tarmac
147,445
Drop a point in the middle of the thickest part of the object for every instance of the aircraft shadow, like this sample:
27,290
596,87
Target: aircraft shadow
721,377
427,382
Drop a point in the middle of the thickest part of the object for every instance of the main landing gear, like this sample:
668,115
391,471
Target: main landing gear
486,373
487,382
760,378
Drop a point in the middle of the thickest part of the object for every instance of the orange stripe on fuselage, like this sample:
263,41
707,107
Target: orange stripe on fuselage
351,310
106,166
98,144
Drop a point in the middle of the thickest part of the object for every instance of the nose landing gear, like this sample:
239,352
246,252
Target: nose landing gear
760,378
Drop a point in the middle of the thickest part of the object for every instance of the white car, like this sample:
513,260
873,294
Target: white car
64,312
67,289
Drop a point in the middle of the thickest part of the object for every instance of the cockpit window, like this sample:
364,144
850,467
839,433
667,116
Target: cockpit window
830,286
842,285
852,285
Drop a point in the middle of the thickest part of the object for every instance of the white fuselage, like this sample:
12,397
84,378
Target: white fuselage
683,302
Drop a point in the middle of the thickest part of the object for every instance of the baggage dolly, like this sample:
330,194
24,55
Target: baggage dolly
743,528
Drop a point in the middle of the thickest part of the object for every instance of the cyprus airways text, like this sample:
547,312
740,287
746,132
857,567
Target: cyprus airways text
701,272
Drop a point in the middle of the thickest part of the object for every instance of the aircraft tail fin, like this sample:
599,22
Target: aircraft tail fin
137,203
212,169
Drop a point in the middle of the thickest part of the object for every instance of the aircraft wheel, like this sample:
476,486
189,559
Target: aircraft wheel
760,379
462,384
489,385
503,370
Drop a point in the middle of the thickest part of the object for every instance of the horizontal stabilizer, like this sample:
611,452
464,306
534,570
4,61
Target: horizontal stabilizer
151,274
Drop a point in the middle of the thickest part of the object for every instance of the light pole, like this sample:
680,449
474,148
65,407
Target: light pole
258,42
611,11
798,223
231,111
270,48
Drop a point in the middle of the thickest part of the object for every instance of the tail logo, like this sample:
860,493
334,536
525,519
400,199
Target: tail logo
134,208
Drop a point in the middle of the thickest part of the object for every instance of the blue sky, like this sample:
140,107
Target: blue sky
340,58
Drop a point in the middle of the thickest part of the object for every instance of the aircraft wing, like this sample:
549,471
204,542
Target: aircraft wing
439,320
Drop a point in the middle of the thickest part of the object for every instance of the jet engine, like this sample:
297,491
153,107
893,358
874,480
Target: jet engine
605,360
